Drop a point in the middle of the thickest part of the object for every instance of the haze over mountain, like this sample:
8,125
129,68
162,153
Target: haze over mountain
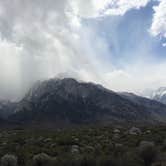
159,95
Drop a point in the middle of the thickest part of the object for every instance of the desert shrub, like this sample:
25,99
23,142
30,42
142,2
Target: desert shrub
147,152
119,150
88,161
106,161
130,159
9,160
41,159
67,162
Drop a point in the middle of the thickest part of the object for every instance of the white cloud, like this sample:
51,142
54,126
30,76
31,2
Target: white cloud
120,7
158,27
136,77
99,8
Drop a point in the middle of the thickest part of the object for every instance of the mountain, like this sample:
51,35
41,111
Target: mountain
7,108
68,101
159,95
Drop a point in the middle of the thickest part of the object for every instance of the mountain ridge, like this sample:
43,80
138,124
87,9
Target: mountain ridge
67,101
78,102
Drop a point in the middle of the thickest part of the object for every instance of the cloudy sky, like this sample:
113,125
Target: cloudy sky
118,43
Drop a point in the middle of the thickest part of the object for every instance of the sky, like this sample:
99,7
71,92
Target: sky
120,44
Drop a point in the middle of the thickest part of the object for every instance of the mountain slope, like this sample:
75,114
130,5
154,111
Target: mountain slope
7,108
67,101
154,107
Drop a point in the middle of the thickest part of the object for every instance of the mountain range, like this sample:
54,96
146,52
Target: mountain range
64,102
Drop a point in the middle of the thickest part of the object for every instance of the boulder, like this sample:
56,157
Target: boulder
135,131
75,149
117,131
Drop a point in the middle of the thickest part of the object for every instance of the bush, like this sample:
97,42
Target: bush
147,152
41,159
89,161
106,161
9,160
